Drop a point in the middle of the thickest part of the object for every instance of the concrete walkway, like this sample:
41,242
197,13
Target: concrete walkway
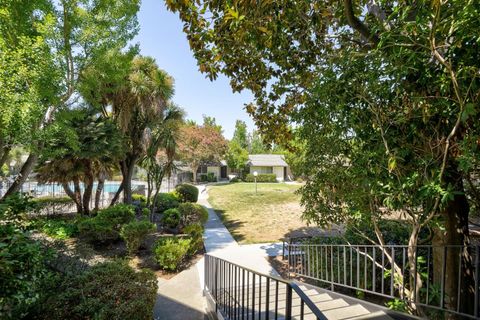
219,242
181,297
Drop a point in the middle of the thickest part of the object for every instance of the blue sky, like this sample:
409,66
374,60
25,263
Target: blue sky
161,37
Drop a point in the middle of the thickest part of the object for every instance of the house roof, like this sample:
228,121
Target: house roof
266,160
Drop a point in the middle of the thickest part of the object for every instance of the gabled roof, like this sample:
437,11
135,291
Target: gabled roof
266,160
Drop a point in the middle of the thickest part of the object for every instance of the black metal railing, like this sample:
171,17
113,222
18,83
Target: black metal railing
242,293
426,280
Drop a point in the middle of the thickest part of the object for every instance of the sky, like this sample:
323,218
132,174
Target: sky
161,37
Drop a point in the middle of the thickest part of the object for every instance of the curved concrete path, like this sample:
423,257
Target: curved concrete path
181,297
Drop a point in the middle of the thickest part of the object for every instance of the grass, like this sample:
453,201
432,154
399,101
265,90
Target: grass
269,215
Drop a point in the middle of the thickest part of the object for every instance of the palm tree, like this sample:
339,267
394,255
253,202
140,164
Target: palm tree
137,106
161,151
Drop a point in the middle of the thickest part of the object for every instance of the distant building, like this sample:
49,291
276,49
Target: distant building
261,163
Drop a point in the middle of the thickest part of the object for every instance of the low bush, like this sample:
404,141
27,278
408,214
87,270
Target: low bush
139,199
211,177
22,269
195,231
263,177
110,290
171,218
98,230
167,201
187,192
192,213
58,228
134,234
53,204
171,252
235,179
117,215
203,178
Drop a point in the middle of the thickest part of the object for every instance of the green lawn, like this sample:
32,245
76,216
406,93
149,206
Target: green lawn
270,215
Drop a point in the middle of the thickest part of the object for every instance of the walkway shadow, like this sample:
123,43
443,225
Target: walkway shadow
233,225
169,309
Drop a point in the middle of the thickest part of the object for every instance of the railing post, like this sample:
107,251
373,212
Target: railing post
288,303
216,284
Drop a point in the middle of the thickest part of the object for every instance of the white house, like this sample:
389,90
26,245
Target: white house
261,163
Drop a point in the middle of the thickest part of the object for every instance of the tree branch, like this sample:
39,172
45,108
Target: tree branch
357,25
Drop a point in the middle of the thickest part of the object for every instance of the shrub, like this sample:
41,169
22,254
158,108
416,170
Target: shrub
110,290
195,231
171,252
98,230
192,213
187,192
22,269
203,178
52,204
58,228
15,207
171,218
134,234
117,215
235,179
166,201
145,213
264,177
211,177
140,199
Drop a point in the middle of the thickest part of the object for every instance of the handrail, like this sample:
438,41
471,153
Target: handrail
385,271
223,287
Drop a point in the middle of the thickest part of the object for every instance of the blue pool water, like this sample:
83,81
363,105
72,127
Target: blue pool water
58,189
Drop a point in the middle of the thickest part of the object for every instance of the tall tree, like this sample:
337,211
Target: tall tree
82,148
212,122
236,156
256,144
74,33
240,135
419,63
161,152
199,144
138,102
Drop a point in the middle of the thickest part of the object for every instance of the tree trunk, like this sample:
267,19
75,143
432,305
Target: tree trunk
4,153
87,193
117,194
23,175
98,192
72,195
127,173
194,168
455,217
78,195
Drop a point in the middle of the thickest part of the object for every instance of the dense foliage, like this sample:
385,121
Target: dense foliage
171,252
167,201
262,177
134,234
187,192
191,213
111,290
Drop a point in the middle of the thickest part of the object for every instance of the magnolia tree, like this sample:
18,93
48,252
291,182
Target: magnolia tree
199,144
385,98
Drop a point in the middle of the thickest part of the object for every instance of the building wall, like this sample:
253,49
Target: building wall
215,170
278,171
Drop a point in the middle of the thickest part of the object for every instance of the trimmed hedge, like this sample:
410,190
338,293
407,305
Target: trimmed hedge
134,234
167,201
171,218
106,225
192,213
171,252
263,177
187,192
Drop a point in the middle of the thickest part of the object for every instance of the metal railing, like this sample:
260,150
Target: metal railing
427,280
242,293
